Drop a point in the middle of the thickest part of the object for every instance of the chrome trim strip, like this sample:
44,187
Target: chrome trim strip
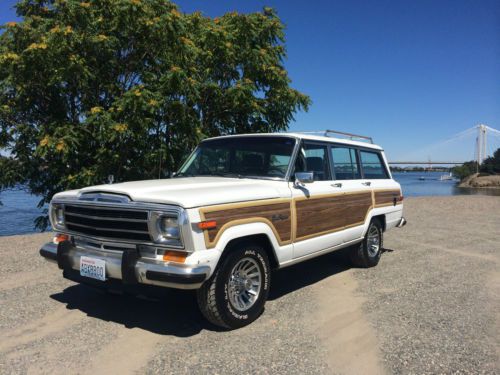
291,165
106,218
103,197
132,206
103,206
120,241
108,229
82,241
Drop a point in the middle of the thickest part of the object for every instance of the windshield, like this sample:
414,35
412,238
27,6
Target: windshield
260,157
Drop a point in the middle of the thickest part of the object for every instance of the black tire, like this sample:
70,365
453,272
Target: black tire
361,256
213,297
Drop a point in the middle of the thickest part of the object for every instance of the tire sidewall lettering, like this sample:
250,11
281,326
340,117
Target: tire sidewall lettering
249,314
264,271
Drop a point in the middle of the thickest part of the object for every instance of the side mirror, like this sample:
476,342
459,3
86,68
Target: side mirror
304,177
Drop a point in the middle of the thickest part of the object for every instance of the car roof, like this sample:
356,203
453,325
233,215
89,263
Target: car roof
305,136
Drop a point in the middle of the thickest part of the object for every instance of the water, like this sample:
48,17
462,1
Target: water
413,186
18,212
19,209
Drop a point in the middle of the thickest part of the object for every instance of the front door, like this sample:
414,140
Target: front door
357,199
313,214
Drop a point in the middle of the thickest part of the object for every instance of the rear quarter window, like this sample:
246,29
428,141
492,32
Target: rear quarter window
372,165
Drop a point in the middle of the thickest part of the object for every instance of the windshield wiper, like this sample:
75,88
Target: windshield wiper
184,174
228,175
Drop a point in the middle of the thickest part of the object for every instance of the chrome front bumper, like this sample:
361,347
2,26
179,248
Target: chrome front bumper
401,223
128,266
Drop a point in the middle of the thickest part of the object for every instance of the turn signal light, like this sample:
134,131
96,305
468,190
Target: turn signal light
60,238
174,256
210,224
401,197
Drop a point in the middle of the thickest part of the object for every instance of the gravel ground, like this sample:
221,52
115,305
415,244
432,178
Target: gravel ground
434,299
431,306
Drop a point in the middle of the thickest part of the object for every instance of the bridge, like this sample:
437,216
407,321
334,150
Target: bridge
482,149
428,162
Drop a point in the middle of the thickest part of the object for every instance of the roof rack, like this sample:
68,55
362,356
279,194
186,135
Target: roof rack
351,136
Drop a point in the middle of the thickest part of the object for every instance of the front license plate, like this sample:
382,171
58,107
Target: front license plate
93,267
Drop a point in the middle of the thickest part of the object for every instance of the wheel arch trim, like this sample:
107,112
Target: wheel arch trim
247,231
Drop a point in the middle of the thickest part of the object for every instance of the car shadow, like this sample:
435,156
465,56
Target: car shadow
298,276
175,312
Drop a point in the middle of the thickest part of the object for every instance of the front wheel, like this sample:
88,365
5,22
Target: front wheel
367,253
235,295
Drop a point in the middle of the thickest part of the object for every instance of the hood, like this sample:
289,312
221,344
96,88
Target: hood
189,192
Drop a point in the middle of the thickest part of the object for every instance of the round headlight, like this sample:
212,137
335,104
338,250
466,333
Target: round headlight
169,227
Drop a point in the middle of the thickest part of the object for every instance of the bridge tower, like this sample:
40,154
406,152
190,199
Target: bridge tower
481,145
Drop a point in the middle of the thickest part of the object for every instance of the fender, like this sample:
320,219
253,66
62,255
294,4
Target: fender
386,211
282,252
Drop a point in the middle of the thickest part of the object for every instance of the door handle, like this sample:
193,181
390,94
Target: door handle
337,185
367,183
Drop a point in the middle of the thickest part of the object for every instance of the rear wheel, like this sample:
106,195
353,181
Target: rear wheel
367,253
235,295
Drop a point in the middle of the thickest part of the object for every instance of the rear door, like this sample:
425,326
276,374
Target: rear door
356,201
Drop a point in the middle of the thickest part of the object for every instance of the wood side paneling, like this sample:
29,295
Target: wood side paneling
278,215
300,218
316,216
386,197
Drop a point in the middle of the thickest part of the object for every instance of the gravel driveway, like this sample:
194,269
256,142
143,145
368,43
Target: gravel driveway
431,306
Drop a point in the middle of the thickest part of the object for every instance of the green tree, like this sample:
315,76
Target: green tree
126,87
464,170
492,164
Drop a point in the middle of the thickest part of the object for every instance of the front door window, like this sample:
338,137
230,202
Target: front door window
314,158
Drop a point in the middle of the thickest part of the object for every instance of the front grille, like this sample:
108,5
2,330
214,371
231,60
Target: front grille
113,223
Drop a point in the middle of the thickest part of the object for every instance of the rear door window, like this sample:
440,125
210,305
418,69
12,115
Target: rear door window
373,166
345,164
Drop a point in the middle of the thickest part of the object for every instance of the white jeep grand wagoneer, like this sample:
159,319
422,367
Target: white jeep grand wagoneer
238,207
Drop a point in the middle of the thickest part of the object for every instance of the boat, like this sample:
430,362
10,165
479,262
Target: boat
446,177
421,178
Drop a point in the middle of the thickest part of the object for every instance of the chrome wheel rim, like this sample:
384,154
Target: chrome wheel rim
245,282
373,241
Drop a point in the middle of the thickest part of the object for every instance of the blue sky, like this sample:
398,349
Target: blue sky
408,73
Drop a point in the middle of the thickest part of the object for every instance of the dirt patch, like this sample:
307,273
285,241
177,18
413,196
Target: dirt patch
341,324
